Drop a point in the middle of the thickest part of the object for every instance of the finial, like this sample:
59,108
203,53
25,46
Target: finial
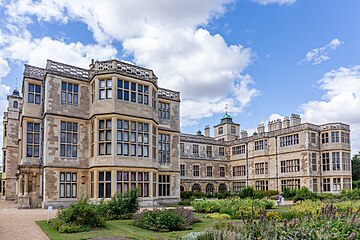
226,107
16,84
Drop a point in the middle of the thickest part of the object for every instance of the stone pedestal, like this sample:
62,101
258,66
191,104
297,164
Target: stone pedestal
23,202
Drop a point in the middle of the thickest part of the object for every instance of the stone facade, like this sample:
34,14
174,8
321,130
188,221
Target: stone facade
95,133
289,154
110,128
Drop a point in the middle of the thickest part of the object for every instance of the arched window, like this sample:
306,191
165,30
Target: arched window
182,188
222,188
196,188
15,104
210,188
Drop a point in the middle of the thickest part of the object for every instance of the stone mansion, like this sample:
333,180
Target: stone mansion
95,132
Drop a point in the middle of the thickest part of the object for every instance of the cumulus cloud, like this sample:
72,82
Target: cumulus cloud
279,2
340,103
319,55
166,36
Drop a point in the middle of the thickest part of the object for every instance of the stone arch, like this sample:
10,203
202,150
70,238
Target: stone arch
196,187
182,188
210,188
222,187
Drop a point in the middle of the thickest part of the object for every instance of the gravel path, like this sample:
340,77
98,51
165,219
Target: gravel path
19,224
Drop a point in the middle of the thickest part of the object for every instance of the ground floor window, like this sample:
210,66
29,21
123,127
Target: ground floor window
262,185
164,185
68,185
222,188
104,184
315,185
336,184
132,180
326,185
196,187
290,184
347,183
210,188
238,186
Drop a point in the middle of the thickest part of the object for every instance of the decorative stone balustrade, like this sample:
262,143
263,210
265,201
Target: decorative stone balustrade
67,70
169,94
34,72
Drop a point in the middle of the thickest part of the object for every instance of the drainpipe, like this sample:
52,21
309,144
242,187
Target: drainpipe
277,164
321,185
41,163
247,164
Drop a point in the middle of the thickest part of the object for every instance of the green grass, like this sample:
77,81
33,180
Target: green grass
124,228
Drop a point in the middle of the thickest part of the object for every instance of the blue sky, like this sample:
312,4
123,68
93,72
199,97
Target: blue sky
265,59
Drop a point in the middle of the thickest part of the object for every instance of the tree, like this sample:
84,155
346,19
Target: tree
355,165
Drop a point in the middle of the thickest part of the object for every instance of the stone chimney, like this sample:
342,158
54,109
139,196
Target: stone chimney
207,131
261,128
243,134
274,125
295,119
286,122
278,124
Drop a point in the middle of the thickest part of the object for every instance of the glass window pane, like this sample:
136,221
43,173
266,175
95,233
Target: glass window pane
74,190
31,98
37,99
119,149
29,138
119,82
63,96
126,125
36,127
102,83
31,87
133,97
70,87
76,88
108,149
126,95
101,176
36,151
37,89
108,176
76,99
126,85
119,124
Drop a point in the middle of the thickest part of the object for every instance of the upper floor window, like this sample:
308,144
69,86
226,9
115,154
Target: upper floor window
33,139
222,171
182,149
68,139
164,148
34,94
335,136
196,170
325,137
261,168
260,145
105,89
209,171
346,161
238,150
209,151
133,136
182,169
105,137
233,130
221,151
336,161
164,110
93,92
196,150
292,165
15,104
289,140
345,137
239,171
4,161
313,137
221,130
314,162
134,92
69,93
325,161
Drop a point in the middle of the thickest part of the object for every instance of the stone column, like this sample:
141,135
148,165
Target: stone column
34,183
26,185
96,184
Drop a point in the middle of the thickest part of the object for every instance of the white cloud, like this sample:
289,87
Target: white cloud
319,55
166,36
340,103
279,2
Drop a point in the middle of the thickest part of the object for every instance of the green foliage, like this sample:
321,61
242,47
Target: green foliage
351,194
190,194
273,215
356,184
235,207
79,216
326,225
303,194
186,202
289,193
217,216
355,166
247,192
165,220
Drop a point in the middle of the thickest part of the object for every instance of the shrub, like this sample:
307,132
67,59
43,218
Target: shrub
303,194
217,216
186,202
79,216
351,194
273,216
247,192
289,193
194,195
188,216
161,220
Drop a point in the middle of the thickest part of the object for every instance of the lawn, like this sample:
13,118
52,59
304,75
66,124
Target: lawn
124,228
